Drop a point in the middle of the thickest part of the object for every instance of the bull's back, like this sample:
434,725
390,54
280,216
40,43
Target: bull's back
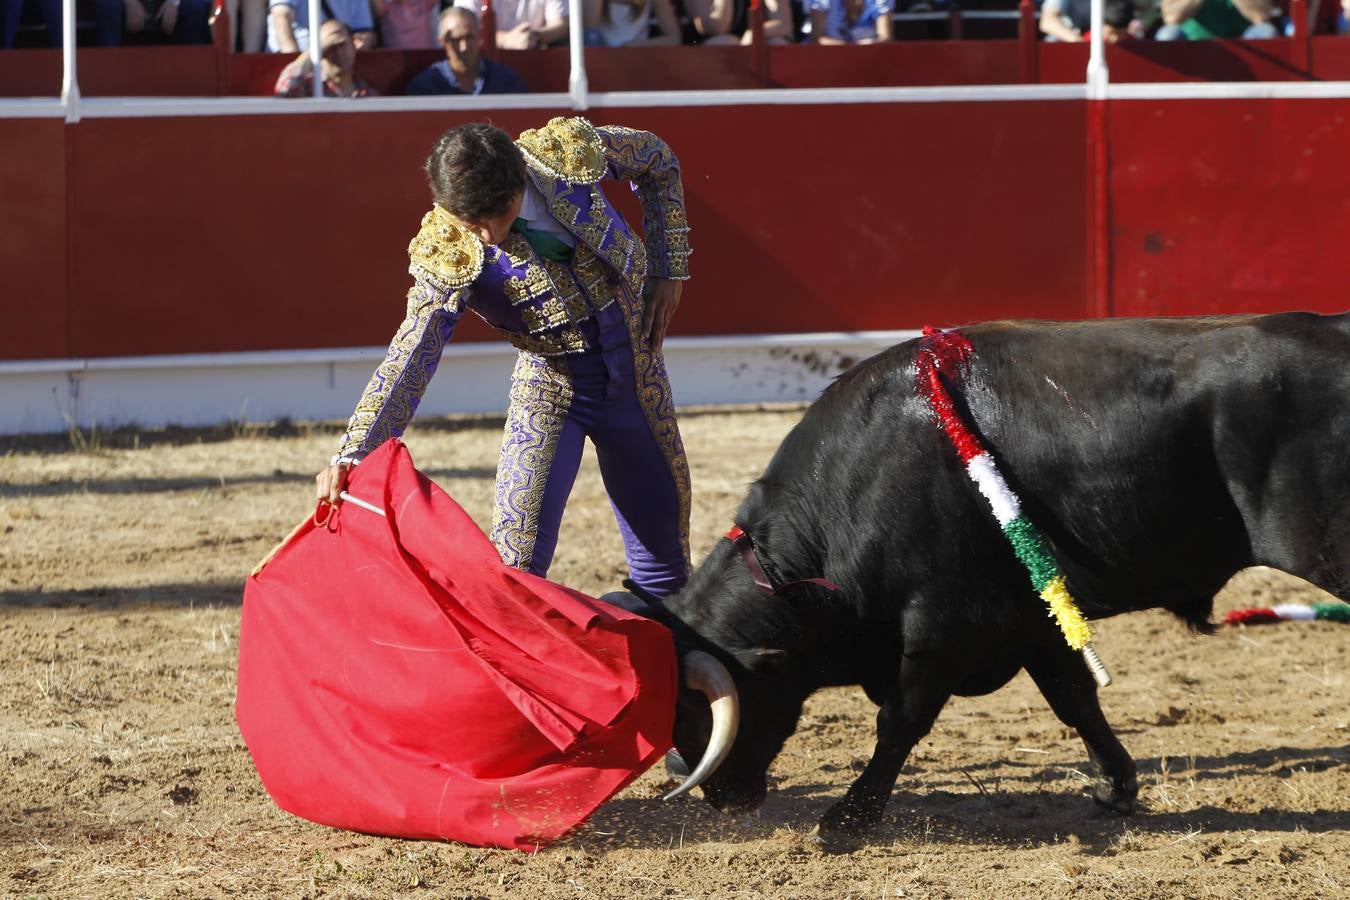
1143,402
1141,447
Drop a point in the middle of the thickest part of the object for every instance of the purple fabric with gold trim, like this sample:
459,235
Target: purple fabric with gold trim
536,305
585,366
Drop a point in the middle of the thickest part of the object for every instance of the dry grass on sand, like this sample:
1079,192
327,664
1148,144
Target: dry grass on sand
121,562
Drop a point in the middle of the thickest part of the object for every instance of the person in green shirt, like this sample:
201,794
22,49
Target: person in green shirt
1202,20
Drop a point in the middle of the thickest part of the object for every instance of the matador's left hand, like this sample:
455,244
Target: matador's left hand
661,297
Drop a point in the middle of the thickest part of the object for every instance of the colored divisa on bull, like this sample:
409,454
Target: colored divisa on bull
1158,457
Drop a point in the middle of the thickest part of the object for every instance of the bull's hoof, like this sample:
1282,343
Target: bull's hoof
843,827
828,841
1122,800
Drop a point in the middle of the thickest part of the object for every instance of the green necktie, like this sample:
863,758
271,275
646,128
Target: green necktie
546,245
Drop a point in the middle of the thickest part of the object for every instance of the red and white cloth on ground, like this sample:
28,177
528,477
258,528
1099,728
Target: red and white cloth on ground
395,677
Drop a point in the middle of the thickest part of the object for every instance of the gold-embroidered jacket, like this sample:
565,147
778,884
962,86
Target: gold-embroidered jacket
536,304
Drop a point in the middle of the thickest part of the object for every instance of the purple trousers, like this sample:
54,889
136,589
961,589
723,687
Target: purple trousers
620,399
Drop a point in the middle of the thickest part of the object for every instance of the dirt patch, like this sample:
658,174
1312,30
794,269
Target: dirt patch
123,774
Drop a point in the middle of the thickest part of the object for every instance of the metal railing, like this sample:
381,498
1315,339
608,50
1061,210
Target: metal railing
1096,76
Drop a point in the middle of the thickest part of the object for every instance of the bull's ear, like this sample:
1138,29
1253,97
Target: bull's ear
758,656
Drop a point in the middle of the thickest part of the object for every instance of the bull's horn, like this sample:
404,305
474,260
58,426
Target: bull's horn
702,672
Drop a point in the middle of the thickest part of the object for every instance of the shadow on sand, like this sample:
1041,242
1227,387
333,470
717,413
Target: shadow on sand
927,811
201,593
125,486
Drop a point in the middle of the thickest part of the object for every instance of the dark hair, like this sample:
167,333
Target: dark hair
475,171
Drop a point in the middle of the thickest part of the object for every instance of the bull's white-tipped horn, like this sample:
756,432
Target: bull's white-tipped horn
702,672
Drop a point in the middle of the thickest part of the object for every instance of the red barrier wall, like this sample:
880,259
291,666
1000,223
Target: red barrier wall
897,64
167,71
164,235
229,233
1167,61
33,257
1331,57
1229,205
866,220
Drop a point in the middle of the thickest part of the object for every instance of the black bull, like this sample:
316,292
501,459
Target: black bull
1159,457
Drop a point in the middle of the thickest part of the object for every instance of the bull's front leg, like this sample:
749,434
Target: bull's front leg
925,683
1064,679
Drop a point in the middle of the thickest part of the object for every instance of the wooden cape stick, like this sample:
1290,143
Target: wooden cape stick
271,554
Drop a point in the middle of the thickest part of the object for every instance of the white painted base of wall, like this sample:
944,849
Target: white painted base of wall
47,396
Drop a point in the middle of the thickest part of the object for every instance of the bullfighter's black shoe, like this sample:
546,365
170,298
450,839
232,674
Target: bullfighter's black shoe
675,764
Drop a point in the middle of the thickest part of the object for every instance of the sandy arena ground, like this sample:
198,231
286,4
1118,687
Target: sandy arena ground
121,564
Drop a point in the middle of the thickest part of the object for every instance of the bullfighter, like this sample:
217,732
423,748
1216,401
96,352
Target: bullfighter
522,235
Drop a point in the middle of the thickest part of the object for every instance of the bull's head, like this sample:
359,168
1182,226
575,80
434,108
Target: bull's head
733,713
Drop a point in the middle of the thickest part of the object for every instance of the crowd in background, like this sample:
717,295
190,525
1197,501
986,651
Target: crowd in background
1184,20
352,26
113,22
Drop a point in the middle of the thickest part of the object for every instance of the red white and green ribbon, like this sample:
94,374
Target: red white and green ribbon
1290,612
947,352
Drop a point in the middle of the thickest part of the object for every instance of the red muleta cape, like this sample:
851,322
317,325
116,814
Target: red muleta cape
395,677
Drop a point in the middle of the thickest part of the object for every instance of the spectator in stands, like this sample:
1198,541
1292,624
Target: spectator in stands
629,23
147,21
107,21
1343,23
464,69
728,22
288,23
1201,20
338,65
1071,20
248,18
407,24
778,25
183,21
526,24
1147,18
705,21
851,21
